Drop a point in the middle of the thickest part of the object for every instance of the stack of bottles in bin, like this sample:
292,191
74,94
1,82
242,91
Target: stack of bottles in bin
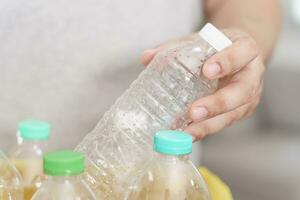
169,174
120,162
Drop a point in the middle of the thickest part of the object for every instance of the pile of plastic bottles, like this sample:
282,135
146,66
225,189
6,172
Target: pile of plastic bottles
132,154
31,173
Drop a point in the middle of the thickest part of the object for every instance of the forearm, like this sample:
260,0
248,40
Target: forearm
260,18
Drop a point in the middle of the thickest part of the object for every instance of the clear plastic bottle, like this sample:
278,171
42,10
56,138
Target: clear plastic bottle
65,181
10,180
28,156
170,175
157,100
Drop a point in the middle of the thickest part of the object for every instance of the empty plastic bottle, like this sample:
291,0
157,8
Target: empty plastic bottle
170,175
10,180
65,181
28,155
157,100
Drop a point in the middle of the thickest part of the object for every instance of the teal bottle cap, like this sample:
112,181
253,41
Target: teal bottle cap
173,142
34,130
63,163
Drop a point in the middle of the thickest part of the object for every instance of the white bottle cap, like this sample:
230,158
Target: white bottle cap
214,37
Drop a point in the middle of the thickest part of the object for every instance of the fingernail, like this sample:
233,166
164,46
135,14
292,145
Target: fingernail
199,113
194,138
147,55
212,69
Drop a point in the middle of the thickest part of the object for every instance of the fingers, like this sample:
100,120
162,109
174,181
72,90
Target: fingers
148,55
217,123
254,104
201,129
242,88
243,50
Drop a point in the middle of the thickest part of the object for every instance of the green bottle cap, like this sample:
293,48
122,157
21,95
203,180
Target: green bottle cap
63,163
34,130
173,142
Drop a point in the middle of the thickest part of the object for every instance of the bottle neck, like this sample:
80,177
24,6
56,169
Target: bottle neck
35,144
39,147
210,50
172,158
64,179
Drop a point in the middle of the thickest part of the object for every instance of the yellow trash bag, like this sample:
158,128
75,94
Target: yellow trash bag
217,188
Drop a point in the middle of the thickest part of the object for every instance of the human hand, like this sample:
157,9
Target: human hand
240,70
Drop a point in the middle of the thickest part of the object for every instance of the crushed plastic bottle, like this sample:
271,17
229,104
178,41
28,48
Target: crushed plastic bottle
10,180
28,155
65,181
157,100
170,175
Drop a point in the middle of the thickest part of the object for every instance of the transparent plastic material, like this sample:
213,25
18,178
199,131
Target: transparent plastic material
64,188
158,99
168,177
28,159
10,181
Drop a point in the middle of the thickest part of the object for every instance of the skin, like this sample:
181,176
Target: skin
253,27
